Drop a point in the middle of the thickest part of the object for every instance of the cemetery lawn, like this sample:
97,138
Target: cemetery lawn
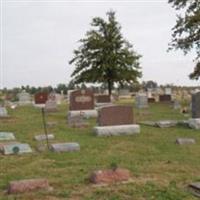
161,169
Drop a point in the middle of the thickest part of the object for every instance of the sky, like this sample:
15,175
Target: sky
38,38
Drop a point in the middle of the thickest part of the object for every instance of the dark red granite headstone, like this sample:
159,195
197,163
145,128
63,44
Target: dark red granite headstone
115,115
103,98
41,98
151,100
165,98
81,100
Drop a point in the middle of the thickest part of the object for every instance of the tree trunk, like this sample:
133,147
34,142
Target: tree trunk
109,87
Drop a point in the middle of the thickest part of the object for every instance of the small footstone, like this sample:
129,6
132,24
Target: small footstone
16,149
44,137
65,147
166,123
27,185
6,136
183,141
195,188
110,176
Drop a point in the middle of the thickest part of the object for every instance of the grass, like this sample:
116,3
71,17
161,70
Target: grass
161,169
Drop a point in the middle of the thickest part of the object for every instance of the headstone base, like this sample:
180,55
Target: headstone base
84,113
194,123
117,130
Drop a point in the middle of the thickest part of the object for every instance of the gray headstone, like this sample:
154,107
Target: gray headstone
51,106
141,101
6,136
65,147
44,137
196,105
183,141
176,105
16,149
24,98
3,112
194,123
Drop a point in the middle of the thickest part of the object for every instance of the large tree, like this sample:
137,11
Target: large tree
186,32
104,56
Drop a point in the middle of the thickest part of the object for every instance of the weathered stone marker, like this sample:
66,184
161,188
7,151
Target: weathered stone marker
28,185
24,98
110,176
196,105
65,147
141,100
195,188
3,112
44,137
183,141
17,148
7,136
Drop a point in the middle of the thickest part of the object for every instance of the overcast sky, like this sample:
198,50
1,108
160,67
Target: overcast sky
38,39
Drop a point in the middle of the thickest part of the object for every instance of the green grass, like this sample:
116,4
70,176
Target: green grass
161,169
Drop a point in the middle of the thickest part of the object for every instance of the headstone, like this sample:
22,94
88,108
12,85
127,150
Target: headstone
28,185
24,98
50,106
194,123
81,100
103,98
110,176
115,115
141,101
176,105
41,98
77,121
44,137
65,147
168,91
16,149
165,98
3,112
196,105
183,141
6,136
52,96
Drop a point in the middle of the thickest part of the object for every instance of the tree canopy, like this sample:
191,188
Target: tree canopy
104,56
186,32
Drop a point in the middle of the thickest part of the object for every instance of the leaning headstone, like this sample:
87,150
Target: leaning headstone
65,147
116,120
16,149
6,136
183,141
3,112
24,98
141,100
28,185
44,137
